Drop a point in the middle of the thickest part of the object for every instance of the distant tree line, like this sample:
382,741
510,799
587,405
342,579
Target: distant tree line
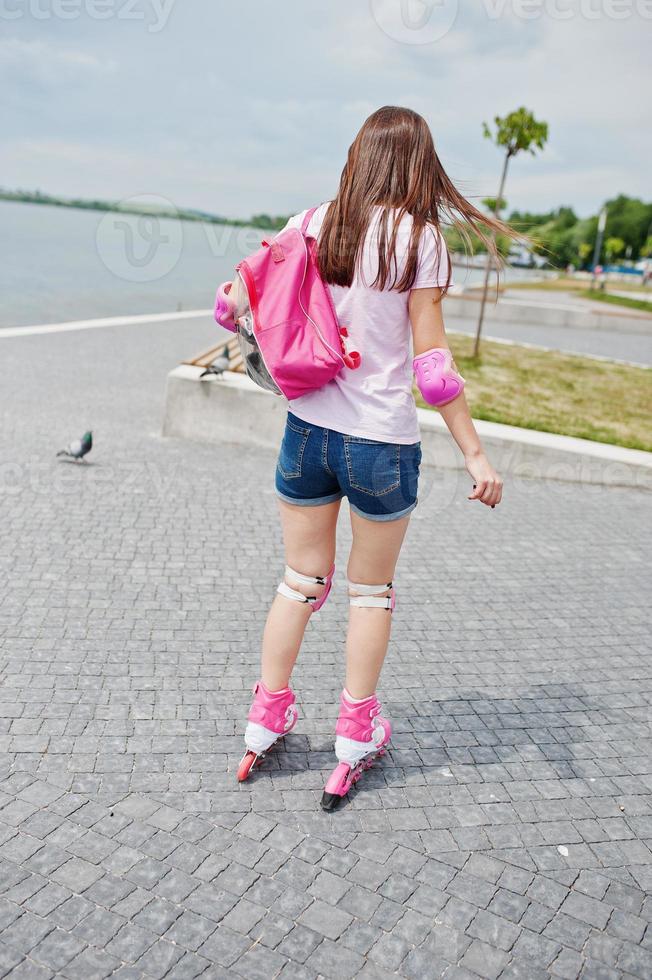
273,221
559,236
562,238
265,221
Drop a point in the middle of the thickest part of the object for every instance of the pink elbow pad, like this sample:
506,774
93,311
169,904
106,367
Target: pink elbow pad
437,381
225,307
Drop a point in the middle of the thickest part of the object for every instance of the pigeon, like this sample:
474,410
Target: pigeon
78,448
219,365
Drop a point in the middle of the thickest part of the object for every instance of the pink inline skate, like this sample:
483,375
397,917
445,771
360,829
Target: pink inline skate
272,715
362,734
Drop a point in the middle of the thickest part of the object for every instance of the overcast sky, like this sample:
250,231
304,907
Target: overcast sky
242,106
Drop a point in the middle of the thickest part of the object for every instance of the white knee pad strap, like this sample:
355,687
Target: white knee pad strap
371,595
291,593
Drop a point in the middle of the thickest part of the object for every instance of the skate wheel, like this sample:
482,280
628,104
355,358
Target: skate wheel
339,783
247,763
330,801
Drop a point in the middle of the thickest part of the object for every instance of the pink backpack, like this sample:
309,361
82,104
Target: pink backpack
284,316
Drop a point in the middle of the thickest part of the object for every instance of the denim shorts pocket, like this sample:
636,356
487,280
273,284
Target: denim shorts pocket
373,467
292,449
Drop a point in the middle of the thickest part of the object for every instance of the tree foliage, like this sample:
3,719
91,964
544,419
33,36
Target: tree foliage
494,205
613,247
273,222
518,131
562,238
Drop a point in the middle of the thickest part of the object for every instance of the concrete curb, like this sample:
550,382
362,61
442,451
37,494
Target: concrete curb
233,409
511,310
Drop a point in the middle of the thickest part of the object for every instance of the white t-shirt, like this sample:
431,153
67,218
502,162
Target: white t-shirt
375,400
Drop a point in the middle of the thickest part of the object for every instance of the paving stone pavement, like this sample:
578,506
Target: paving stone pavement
507,833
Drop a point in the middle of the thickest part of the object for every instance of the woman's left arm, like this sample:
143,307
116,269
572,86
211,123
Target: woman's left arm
427,332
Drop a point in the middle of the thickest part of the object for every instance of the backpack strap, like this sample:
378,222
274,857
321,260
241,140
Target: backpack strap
307,219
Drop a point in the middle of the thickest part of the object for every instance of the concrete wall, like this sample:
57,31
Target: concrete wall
546,314
233,409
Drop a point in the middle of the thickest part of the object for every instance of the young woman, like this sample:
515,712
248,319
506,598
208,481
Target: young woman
382,253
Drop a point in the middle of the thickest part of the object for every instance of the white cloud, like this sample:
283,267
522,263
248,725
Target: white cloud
243,107
47,63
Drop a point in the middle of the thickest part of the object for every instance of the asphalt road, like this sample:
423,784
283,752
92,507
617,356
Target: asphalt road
617,345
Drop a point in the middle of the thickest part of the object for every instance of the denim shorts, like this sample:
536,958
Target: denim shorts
317,466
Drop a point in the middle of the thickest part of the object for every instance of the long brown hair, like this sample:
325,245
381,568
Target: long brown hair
393,164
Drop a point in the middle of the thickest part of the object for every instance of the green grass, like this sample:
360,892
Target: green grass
563,393
633,304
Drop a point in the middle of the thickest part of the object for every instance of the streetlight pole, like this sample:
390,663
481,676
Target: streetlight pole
602,221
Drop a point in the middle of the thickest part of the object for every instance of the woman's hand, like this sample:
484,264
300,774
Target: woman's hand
487,485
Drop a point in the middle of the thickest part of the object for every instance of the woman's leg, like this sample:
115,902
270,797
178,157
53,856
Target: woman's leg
374,553
309,539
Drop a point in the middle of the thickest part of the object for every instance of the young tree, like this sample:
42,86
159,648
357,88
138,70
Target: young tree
494,204
584,252
517,132
613,247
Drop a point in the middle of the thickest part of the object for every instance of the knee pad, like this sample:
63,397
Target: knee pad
372,595
315,601
437,381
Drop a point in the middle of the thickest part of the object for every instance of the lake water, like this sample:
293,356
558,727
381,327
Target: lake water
65,264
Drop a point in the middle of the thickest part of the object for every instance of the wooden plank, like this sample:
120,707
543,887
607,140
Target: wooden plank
206,357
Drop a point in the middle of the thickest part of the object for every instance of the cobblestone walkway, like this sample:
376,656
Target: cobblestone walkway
506,834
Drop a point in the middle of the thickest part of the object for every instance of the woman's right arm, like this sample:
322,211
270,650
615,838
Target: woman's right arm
427,332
